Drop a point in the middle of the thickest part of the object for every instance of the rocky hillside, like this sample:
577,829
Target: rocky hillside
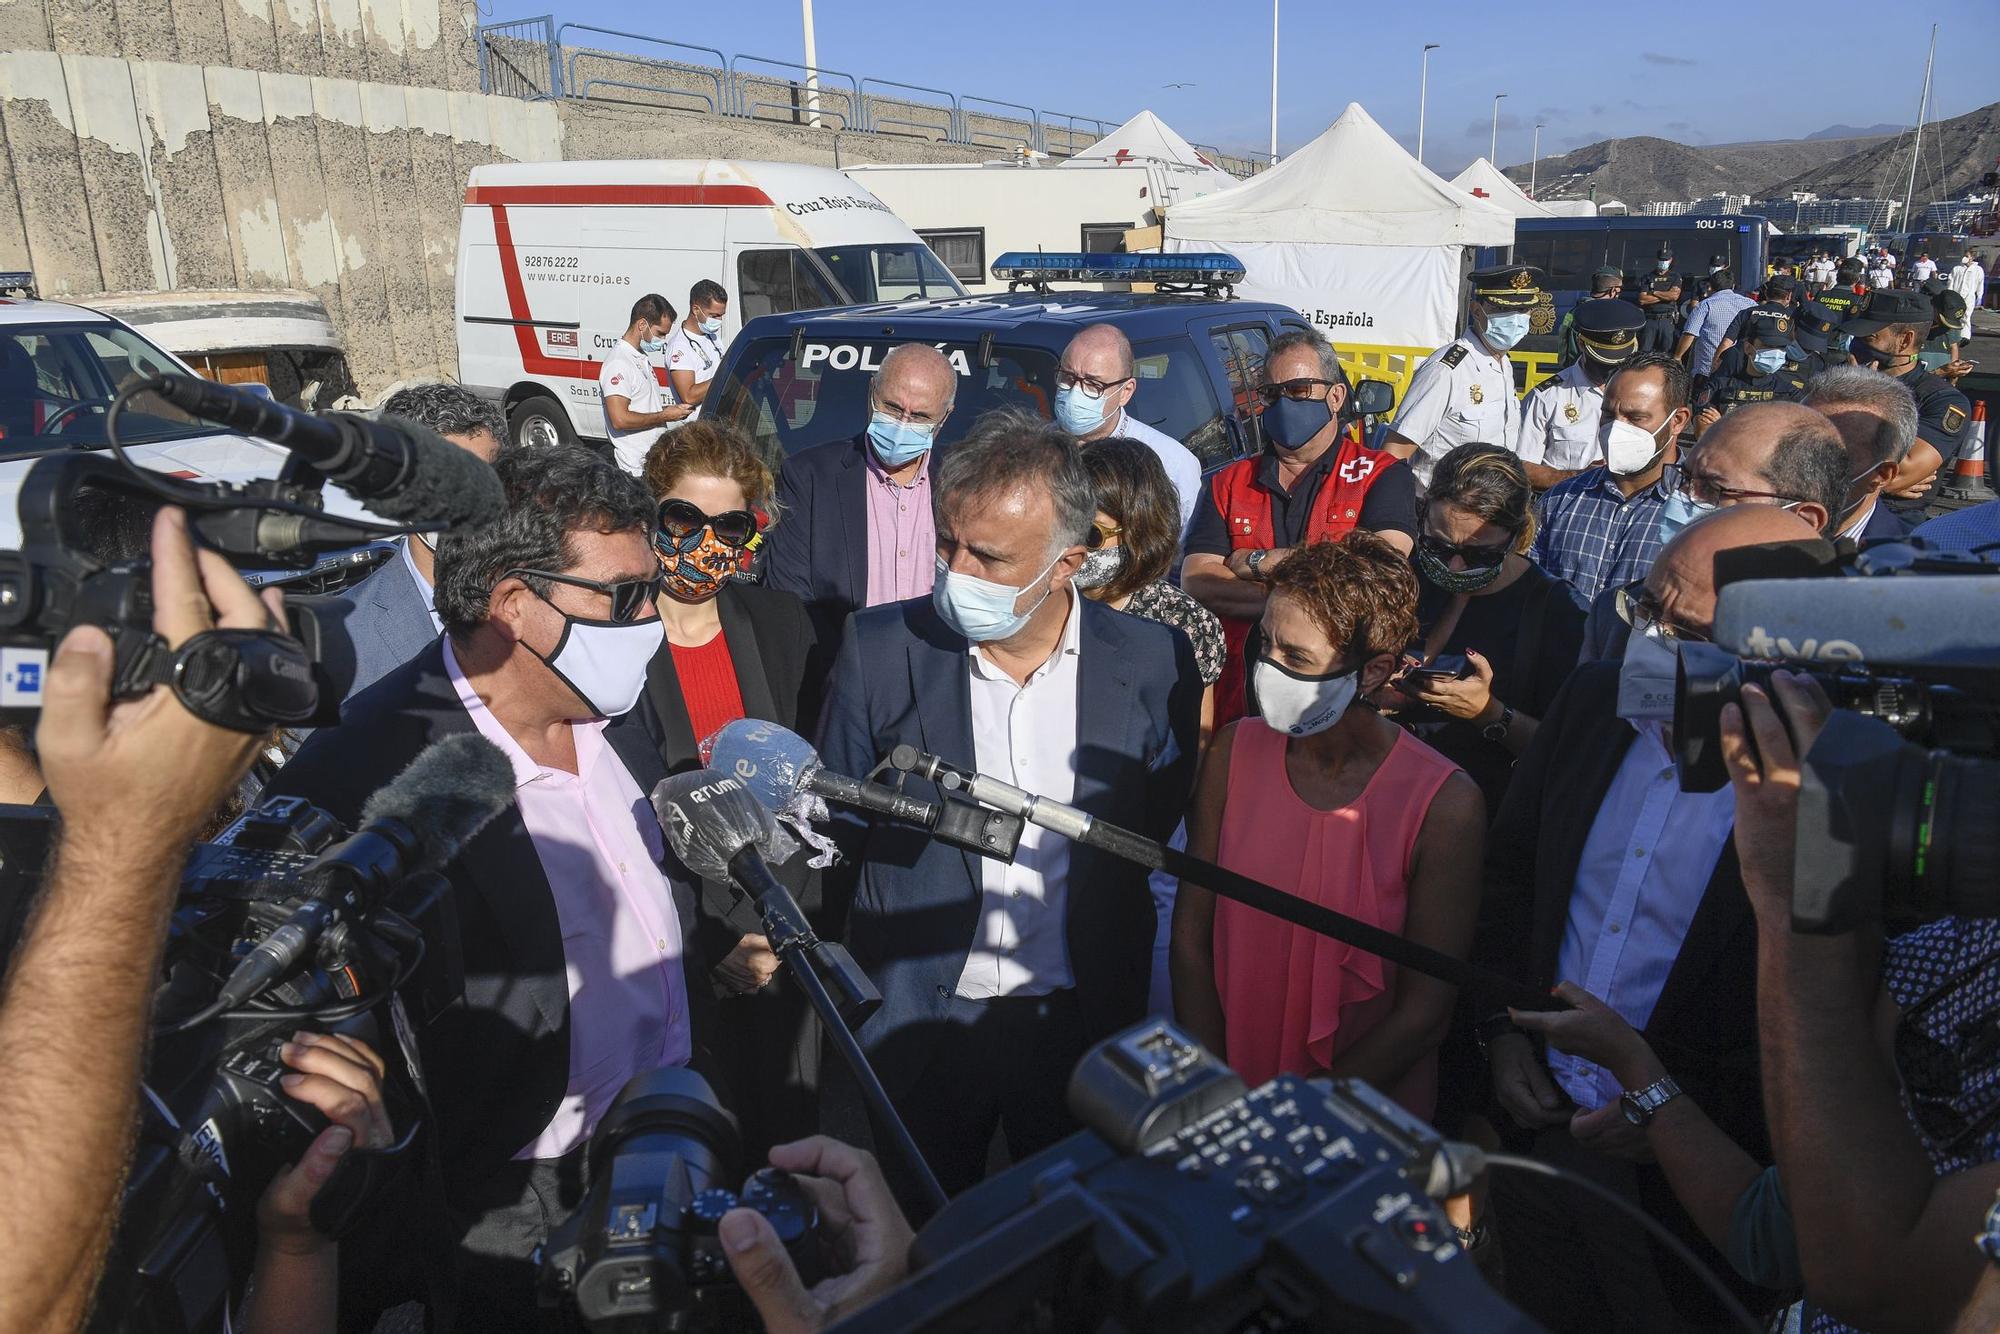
1643,170
1956,153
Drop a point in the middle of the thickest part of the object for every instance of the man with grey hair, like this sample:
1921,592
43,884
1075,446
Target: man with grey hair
994,976
854,527
1877,420
387,619
1095,382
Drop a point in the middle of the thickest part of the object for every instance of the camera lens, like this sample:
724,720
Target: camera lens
1947,805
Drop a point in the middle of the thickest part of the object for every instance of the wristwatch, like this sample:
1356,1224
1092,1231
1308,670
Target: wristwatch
1255,560
1497,729
1640,1107
1491,1027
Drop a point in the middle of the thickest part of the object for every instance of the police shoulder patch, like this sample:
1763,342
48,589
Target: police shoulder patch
1954,417
1454,356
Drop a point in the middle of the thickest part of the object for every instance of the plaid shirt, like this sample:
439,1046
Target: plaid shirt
1590,534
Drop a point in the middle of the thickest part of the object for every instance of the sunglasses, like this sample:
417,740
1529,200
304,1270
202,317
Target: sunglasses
1475,557
678,518
629,597
1642,611
1100,533
1299,390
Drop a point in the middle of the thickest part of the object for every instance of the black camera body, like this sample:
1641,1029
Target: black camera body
216,1124
641,1252
1193,1204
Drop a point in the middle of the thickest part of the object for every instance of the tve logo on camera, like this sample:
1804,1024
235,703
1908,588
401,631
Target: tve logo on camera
21,673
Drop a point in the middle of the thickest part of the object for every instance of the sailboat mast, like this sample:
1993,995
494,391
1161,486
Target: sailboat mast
1917,141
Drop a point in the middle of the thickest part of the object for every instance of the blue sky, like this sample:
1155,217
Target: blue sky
1588,71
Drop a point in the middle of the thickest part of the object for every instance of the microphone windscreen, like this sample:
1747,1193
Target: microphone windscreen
772,762
447,484
445,796
708,818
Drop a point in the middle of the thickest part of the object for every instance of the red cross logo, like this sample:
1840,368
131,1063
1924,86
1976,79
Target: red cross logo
1122,155
1356,469
1478,193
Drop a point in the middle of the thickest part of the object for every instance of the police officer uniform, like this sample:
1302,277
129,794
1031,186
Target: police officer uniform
1813,333
1737,380
1605,285
1947,332
1661,312
1463,393
1768,305
1560,415
1944,415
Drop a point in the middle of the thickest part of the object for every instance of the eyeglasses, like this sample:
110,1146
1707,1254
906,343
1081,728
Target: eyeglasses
678,518
1475,557
1933,1071
1639,609
1100,533
1299,390
1705,490
1069,379
629,597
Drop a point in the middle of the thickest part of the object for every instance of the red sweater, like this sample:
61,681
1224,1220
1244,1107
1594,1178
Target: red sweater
708,686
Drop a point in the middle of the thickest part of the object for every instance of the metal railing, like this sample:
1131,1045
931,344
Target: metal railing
529,58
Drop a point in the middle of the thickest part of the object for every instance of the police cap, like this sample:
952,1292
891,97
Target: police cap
1780,282
1950,307
1607,331
1930,287
1814,328
1887,306
1508,286
1768,328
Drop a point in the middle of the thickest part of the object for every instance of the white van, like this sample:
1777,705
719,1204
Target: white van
551,256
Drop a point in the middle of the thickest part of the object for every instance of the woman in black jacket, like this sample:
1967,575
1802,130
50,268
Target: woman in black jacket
735,649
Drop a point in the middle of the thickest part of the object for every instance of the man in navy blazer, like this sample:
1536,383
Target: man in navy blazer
1876,416
386,619
854,524
995,978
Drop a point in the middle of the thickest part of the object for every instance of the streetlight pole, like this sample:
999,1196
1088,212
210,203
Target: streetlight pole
1274,81
812,65
1493,149
1534,160
1423,97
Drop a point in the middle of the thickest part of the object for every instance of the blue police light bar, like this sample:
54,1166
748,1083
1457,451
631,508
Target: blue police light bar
1021,266
17,283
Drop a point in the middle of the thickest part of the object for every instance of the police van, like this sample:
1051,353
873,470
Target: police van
551,256
793,381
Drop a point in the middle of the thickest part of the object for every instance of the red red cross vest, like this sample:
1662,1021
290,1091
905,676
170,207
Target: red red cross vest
1246,512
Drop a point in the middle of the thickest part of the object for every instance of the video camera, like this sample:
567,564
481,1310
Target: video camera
1900,789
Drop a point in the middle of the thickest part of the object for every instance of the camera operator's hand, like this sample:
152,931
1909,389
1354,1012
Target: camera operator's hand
858,1218
1766,778
1594,1032
144,774
342,1077
1522,1083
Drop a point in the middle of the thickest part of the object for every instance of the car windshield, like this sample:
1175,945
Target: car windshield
58,380
786,405
893,271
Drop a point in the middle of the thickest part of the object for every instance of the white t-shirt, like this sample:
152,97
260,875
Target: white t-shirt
628,373
1923,268
695,352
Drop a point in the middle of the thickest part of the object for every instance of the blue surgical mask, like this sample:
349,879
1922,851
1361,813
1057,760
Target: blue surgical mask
1678,513
980,609
652,347
1503,331
1292,423
1768,359
1078,410
897,442
711,327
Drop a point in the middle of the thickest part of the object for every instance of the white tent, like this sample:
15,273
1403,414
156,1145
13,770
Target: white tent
1483,180
1147,140
1362,238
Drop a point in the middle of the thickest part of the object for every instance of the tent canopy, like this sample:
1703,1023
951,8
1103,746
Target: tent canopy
1147,138
1354,185
1483,180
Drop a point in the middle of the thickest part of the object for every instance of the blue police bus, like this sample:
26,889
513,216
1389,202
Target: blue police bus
1569,250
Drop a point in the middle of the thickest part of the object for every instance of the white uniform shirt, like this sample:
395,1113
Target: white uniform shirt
1457,400
695,352
1559,421
1923,268
1025,735
1881,276
1183,468
628,373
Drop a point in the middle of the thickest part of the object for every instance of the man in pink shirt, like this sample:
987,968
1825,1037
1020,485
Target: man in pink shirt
572,925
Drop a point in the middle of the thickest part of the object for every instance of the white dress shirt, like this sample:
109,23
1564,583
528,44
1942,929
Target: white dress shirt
1026,735
695,352
628,373
1183,468
1559,421
1457,400
1645,866
423,584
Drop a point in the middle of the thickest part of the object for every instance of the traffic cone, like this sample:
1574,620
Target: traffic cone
1966,483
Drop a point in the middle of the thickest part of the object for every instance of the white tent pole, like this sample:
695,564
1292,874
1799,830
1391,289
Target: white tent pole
1274,82
1423,96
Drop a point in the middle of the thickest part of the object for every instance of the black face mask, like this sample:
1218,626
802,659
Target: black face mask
1867,354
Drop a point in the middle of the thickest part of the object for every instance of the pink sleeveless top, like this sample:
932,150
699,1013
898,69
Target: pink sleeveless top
1293,1000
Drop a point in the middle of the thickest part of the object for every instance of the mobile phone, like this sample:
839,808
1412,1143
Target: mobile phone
1444,667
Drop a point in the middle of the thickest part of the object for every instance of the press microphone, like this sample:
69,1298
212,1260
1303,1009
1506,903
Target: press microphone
780,768
414,824
405,473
